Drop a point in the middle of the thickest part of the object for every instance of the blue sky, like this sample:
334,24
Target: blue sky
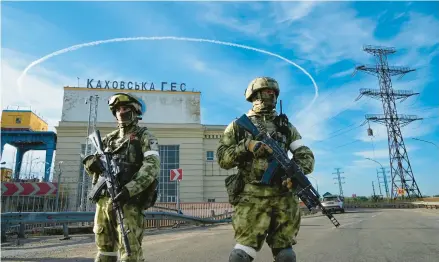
325,38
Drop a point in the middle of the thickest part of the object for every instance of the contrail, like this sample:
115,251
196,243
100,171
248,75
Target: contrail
154,38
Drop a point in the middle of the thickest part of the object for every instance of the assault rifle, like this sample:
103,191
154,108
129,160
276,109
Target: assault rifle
279,158
111,170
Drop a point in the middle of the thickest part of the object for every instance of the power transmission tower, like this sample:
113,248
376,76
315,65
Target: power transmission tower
401,170
385,182
92,119
339,178
379,183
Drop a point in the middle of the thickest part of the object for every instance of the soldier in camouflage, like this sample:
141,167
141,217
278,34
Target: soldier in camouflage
137,154
269,213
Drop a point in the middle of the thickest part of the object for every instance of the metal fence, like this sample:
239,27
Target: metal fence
34,203
213,210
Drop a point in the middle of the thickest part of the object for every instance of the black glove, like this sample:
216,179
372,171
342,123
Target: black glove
122,197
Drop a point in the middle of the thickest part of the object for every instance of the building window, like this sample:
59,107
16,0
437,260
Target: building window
209,155
169,159
18,120
211,200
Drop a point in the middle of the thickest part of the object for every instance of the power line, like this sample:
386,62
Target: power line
352,142
326,139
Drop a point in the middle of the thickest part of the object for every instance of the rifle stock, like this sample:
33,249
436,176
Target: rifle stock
110,170
279,159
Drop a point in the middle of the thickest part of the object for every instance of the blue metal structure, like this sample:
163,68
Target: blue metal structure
24,141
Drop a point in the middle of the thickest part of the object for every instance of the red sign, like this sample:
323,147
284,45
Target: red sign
354,195
176,174
28,189
401,191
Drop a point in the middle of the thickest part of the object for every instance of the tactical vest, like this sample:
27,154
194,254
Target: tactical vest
235,183
280,134
129,158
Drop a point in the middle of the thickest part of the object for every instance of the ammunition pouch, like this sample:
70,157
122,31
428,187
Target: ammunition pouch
126,172
97,190
235,186
146,198
93,164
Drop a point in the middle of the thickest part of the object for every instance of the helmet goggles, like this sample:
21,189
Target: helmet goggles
118,99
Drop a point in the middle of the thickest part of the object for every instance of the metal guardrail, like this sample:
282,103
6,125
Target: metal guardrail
12,219
394,205
67,217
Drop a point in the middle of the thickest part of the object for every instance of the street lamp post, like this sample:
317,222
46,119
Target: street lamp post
384,177
317,184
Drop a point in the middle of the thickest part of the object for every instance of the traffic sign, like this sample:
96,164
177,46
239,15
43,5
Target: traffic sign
28,188
400,191
354,195
176,174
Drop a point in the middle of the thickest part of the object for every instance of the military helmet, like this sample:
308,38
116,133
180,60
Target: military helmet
124,99
261,83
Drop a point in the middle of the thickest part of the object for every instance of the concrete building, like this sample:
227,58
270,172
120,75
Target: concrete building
173,116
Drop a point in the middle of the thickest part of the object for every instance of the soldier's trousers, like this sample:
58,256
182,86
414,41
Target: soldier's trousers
275,219
108,237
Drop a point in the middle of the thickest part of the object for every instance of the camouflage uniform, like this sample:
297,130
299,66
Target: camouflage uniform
269,213
137,149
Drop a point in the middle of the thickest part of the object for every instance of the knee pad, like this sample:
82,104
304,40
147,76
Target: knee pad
242,254
284,255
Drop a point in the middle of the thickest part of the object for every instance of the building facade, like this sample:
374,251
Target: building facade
173,117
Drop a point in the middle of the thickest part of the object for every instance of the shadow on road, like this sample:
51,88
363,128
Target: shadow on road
46,259
390,228
353,211
38,242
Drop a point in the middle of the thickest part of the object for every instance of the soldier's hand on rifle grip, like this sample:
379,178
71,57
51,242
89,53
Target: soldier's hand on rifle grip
122,197
258,148
288,183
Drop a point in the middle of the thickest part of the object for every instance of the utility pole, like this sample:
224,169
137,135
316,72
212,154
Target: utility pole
339,178
373,188
58,185
401,170
92,118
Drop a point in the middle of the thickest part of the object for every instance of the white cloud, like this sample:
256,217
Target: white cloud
288,12
343,73
39,87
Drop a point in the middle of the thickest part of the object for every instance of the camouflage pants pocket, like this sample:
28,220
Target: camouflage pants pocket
251,221
134,221
103,228
105,244
234,185
285,223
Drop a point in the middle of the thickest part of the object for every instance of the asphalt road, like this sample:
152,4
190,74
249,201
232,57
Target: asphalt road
399,235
